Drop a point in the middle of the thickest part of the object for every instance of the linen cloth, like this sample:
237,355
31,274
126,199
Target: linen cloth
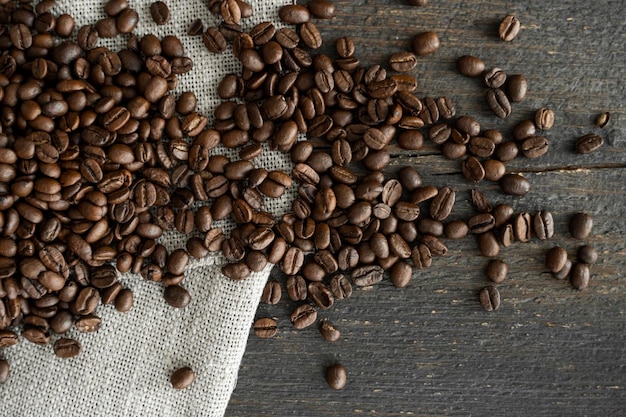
124,368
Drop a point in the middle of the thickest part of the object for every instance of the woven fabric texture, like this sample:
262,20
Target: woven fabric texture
124,368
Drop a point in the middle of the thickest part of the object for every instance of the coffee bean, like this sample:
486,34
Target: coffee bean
564,272
543,225
400,274
329,332
67,348
322,9
296,288
442,204
490,298
344,47
294,14
4,371
470,66
303,316
402,61
589,143
481,223
7,338
580,225
515,184
336,376
556,259
182,378
271,293
603,119
544,119
497,270
587,254
488,245
499,103
472,169
580,276
216,43
367,275
176,296
265,328
425,43
509,28
196,27
456,229
310,35
516,87
495,78
124,301
160,12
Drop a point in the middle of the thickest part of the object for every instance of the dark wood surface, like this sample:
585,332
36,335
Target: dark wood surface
429,349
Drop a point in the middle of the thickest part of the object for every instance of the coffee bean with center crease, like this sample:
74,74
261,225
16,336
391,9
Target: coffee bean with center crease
367,275
543,225
442,204
490,298
216,43
67,348
534,147
589,143
499,103
403,61
303,316
265,328
509,28
160,12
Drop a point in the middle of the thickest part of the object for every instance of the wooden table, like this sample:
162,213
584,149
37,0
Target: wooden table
430,349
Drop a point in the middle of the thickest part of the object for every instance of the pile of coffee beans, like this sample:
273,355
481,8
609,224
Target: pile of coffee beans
98,159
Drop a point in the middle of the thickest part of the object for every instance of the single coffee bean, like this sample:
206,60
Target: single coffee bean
499,103
182,378
8,338
425,43
488,245
294,14
196,27
534,147
509,28
544,119
603,119
497,270
543,225
515,184
67,348
456,229
177,296
589,143
564,272
403,61
4,371
516,87
340,286
322,9
265,328
329,332
481,223
490,298
494,169
296,288
367,275
400,274
580,275
480,201
124,301
160,12
587,254
345,47
303,316
271,293
507,151
472,169
442,204
556,259
336,376
470,66
495,78
524,130
320,295
580,225
522,226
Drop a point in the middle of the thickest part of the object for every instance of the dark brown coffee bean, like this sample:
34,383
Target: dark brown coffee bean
340,286
421,256
488,245
403,61
556,259
516,87
322,9
470,66
367,275
543,225
425,43
589,143
580,276
544,119
481,223
271,293
580,225
160,12
400,274
442,204
535,147
310,35
472,169
294,14
506,151
456,229
182,378
494,169
603,119
329,332
303,316
495,78
481,146
8,338
67,348
124,301
515,184
497,270
296,288
177,296
265,328
499,103
490,298
509,28
320,295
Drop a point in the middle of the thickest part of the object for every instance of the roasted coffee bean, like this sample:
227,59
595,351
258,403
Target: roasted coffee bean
488,245
580,225
294,14
472,169
4,371
124,301
556,259
329,332
215,42
67,348
489,298
470,66
507,235
442,204
495,78
481,146
497,270
160,12
177,296
182,378
400,274
589,143
271,293
403,61
564,272
516,87
544,119
499,103
8,338
603,119
88,324
534,147
367,275
322,9
336,376
509,28
515,184
236,271
195,28
522,226
303,316
580,276
481,223
296,288
587,254
425,43
265,328
310,35
456,229
320,295
494,169
344,47
543,225
506,151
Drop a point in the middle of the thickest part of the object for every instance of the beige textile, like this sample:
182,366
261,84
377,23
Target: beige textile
124,368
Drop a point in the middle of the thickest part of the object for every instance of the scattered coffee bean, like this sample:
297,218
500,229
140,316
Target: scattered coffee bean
589,143
543,225
580,276
470,66
67,348
587,254
265,328
329,332
544,119
177,296
336,376
564,272
425,43
497,270
490,298
182,378
603,119
516,87
303,316
160,12
580,225
509,28
556,259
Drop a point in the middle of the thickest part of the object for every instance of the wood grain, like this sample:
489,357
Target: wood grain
429,349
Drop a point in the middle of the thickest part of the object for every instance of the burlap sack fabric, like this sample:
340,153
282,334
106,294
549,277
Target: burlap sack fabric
124,368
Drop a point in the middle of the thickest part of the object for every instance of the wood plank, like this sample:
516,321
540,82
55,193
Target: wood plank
429,349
